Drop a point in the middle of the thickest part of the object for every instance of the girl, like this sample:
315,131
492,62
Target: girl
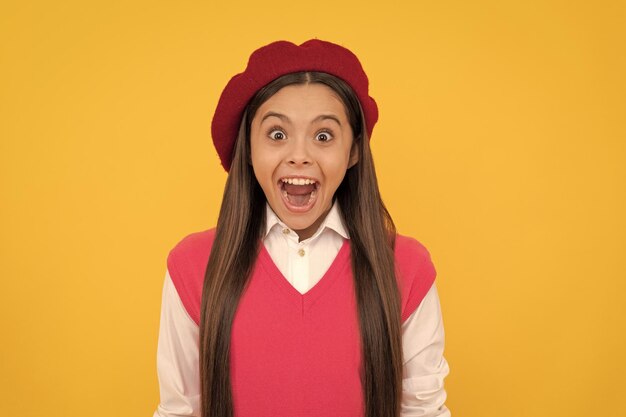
303,300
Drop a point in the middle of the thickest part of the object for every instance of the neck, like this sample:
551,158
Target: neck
310,231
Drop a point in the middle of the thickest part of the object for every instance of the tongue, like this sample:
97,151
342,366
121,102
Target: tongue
298,200
298,195
294,189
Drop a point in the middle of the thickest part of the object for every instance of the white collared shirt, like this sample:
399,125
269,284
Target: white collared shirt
303,264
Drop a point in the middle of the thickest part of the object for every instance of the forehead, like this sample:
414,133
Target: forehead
312,98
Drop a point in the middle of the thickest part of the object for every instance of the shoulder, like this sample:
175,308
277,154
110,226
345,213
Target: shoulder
194,241
411,256
186,263
191,249
414,270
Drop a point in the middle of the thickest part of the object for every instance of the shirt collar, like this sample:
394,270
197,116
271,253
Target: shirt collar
333,221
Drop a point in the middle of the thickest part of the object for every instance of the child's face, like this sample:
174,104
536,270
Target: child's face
302,132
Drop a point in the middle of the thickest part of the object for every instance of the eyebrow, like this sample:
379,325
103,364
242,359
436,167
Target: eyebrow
284,118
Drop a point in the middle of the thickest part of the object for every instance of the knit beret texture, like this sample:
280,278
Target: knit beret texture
277,59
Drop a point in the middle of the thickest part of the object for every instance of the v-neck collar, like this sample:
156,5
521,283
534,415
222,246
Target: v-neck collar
306,300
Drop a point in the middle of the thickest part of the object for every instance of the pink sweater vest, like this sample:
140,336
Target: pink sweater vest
292,354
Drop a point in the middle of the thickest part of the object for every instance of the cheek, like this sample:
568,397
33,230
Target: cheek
335,171
263,165
260,170
256,153
335,162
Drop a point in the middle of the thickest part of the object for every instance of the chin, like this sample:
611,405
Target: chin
298,222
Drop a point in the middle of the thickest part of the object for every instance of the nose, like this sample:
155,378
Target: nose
298,153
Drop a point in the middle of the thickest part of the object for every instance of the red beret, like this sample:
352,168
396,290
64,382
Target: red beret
274,60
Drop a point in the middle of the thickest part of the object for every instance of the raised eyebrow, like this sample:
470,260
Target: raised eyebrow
282,117
319,118
327,117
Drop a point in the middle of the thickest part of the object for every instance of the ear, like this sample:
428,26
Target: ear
354,153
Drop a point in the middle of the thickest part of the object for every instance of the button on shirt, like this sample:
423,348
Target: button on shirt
303,264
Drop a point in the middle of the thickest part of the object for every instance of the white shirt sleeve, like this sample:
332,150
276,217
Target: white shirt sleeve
423,393
177,357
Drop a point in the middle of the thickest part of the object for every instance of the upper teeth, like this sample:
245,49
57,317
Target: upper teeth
298,181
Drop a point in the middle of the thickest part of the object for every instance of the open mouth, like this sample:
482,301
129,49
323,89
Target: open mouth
299,194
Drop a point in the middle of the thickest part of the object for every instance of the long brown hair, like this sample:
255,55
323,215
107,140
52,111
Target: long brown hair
236,245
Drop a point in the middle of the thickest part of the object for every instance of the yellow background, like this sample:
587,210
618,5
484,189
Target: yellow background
501,146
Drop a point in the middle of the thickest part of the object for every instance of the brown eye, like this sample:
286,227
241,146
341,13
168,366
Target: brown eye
323,136
277,135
